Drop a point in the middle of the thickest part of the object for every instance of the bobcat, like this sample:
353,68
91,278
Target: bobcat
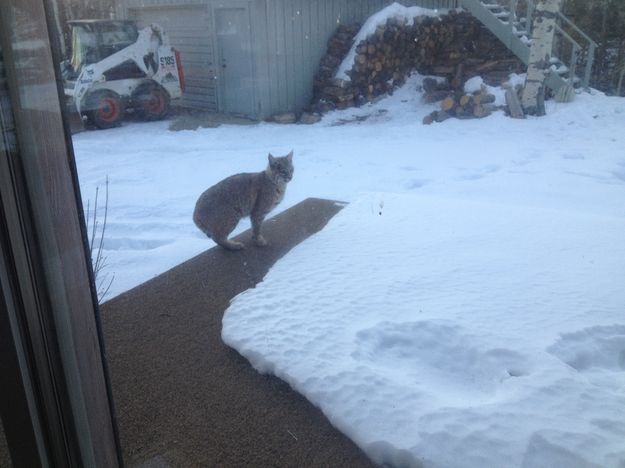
220,208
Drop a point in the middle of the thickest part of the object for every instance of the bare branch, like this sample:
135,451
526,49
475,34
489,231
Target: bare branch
102,279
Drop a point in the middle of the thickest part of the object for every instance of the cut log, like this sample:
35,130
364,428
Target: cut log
441,116
465,100
514,105
443,69
436,96
429,84
481,111
458,80
338,83
486,66
487,99
448,104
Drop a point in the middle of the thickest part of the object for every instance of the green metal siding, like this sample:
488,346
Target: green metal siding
289,38
188,28
296,38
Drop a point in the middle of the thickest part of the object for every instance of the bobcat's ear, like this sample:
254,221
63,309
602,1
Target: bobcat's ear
271,159
290,156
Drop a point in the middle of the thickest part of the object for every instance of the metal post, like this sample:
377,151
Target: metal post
620,82
589,61
512,18
572,68
529,20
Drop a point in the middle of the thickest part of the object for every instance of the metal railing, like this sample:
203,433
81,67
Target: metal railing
620,82
574,43
590,48
577,50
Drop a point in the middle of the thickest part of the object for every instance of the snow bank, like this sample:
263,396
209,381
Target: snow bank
452,333
394,10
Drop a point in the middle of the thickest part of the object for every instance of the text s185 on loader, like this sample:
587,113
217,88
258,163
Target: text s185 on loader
113,67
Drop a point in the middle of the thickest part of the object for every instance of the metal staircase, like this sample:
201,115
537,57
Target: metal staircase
514,29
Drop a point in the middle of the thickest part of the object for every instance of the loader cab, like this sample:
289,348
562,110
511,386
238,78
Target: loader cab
94,40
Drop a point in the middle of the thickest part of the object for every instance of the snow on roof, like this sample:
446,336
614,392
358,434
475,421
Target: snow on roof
394,10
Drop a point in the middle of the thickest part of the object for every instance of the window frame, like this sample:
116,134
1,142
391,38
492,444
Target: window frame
56,402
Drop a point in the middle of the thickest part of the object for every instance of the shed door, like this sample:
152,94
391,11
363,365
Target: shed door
188,28
235,60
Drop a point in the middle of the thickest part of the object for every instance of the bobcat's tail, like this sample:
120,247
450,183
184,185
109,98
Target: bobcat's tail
200,225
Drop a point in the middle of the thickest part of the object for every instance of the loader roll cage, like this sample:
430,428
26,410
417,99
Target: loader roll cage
114,67
94,40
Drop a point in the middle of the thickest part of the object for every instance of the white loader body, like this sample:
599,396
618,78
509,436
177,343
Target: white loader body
159,82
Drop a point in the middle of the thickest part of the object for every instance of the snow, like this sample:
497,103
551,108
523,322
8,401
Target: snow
465,309
393,11
417,323
474,85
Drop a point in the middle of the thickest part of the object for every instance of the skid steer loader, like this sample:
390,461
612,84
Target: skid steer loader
113,68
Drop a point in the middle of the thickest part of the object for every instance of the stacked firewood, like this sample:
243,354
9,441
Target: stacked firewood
455,102
330,93
455,46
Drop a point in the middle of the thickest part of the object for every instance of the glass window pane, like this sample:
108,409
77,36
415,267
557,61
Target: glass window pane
339,233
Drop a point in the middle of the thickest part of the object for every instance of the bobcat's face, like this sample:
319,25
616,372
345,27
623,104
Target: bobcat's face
282,167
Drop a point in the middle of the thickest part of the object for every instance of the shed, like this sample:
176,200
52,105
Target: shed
252,58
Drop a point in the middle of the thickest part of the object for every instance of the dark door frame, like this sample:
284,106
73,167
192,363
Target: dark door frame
55,398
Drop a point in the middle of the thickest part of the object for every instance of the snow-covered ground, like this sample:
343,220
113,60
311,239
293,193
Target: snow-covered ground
453,333
465,309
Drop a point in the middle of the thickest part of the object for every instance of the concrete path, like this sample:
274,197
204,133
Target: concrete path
183,398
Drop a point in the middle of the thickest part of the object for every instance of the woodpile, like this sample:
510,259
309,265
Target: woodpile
513,102
330,93
454,46
455,103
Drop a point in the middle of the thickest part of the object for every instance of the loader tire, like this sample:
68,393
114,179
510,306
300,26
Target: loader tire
151,101
104,109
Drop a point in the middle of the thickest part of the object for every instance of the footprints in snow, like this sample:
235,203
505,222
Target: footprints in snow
594,348
127,243
479,173
443,354
574,156
125,236
438,351
413,184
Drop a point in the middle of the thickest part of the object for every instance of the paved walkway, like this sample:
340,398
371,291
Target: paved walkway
183,398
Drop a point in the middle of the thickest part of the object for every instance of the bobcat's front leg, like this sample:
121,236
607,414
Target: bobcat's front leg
257,222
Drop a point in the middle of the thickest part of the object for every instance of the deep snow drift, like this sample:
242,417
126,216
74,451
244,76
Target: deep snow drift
452,333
